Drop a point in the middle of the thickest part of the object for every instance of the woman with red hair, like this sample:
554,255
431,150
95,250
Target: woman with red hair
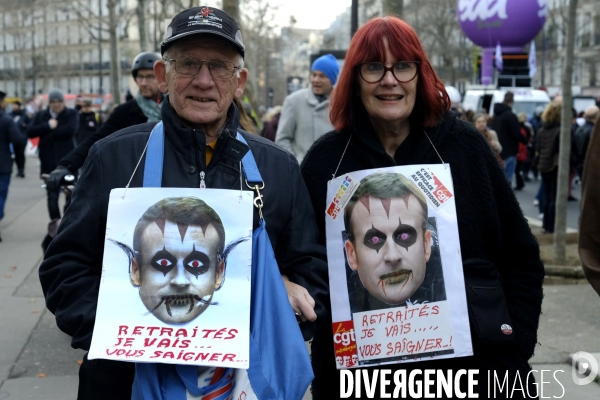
389,108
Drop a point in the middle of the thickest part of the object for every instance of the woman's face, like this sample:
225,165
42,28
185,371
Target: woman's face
388,102
481,124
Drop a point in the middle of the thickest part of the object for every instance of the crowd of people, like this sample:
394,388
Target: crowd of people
386,107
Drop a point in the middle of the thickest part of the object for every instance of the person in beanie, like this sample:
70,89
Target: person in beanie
305,114
202,71
56,127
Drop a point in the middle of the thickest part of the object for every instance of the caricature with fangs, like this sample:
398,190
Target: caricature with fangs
388,241
178,258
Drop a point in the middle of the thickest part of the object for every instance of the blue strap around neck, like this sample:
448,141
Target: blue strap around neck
155,155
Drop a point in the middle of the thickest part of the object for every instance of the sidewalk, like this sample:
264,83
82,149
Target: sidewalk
37,362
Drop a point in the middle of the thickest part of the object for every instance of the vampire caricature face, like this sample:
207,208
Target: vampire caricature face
179,269
347,361
390,246
354,359
340,361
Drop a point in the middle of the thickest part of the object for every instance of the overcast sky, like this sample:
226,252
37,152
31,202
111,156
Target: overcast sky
311,14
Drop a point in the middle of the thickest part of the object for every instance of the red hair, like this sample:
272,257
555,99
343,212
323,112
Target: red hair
367,45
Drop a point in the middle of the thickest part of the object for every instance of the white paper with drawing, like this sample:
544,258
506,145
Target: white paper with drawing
395,270
176,274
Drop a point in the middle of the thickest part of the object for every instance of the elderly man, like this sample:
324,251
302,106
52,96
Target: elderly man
305,114
202,70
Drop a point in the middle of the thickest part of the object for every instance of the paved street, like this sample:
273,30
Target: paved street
37,362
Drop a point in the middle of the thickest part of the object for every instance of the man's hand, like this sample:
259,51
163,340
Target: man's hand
53,181
301,301
53,123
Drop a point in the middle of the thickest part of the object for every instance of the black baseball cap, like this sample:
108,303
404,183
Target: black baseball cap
208,20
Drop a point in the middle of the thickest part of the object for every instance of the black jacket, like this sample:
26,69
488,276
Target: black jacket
88,125
506,125
581,141
490,223
54,143
9,133
22,121
125,115
70,273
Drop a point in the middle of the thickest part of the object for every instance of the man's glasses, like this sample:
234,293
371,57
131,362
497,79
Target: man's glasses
147,78
218,69
403,71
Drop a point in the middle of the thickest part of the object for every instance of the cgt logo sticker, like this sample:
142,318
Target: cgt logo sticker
344,342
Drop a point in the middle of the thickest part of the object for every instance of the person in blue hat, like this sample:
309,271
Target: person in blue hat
305,114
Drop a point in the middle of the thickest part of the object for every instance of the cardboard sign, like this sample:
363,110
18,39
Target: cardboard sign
176,274
395,270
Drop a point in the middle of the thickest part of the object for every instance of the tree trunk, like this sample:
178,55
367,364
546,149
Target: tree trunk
141,16
560,224
395,7
115,64
232,7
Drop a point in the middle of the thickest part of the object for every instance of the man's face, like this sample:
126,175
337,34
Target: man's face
320,83
16,107
354,359
390,249
147,84
347,361
180,271
56,106
340,361
201,100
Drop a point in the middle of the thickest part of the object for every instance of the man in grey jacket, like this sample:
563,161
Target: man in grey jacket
305,114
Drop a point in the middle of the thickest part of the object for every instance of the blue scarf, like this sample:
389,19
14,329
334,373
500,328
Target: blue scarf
280,366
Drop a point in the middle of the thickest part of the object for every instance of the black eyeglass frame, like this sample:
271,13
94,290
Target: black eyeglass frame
208,64
386,69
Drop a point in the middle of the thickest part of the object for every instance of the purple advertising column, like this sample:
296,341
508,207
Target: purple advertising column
512,23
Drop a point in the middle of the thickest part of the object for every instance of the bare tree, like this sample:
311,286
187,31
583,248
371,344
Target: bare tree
232,7
560,223
141,17
441,36
115,59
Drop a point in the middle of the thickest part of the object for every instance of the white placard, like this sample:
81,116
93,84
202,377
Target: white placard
395,269
184,298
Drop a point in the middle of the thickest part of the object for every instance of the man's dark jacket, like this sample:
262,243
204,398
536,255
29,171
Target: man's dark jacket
9,133
506,125
88,125
54,143
581,141
70,274
125,115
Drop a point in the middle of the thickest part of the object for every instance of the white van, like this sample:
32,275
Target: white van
526,99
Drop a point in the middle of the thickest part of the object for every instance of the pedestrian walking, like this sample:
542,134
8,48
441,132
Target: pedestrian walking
9,134
305,114
547,147
88,121
22,120
56,127
506,125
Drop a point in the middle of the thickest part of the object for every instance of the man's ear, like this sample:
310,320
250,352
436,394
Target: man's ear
160,73
134,275
351,255
219,277
241,84
427,244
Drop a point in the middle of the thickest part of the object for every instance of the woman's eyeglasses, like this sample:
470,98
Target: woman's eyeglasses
403,71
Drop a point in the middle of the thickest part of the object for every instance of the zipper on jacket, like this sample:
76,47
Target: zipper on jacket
202,183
